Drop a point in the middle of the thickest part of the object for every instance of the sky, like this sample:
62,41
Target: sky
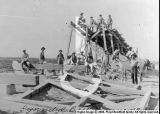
31,24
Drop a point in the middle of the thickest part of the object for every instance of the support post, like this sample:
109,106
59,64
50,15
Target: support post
104,37
86,42
118,45
111,37
69,42
96,49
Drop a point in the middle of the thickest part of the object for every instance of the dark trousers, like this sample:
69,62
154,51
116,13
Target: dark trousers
134,75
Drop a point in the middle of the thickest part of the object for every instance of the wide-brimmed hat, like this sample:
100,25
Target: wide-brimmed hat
43,48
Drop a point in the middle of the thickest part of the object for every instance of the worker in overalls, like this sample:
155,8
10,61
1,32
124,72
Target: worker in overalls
60,59
82,21
109,22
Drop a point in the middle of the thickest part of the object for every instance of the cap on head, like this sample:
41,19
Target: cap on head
43,48
24,50
91,17
100,15
60,50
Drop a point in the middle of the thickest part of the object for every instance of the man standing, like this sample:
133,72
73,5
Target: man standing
42,58
93,24
109,22
100,22
134,69
60,59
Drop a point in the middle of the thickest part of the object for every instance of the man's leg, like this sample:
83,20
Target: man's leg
135,74
132,75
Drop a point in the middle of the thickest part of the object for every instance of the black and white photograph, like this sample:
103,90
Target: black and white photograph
79,56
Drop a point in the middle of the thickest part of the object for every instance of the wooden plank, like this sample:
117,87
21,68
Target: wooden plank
48,66
125,89
79,103
75,68
87,79
121,91
69,43
112,45
22,79
104,38
81,30
122,98
145,100
106,103
95,34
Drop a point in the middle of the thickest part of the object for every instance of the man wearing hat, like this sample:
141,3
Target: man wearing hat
93,23
100,22
82,21
60,59
134,69
42,56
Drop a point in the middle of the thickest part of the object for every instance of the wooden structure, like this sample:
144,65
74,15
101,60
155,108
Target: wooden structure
19,79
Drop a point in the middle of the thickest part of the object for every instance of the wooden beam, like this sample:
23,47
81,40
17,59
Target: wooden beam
104,38
106,103
87,79
122,98
119,89
79,103
95,34
69,43
112,45
22,79
145,100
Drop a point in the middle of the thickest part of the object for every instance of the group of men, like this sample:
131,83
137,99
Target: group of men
26,65
95,25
